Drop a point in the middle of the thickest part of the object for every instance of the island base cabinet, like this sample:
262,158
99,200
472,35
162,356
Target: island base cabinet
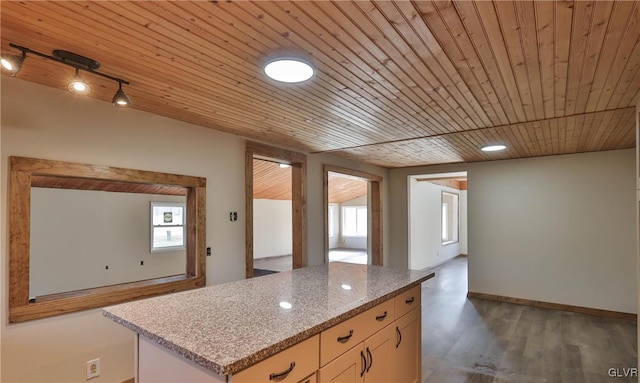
348,368
369,362
391,355
406,358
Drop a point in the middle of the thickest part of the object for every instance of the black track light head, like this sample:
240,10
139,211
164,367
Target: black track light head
120,98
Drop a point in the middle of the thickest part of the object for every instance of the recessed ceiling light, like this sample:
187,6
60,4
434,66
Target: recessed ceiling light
289,70
286,305
493,148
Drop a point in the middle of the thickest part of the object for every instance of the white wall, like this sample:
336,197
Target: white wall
76,234
556,229
425,220
57,125
272,228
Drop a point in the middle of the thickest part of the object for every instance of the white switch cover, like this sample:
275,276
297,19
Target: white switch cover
93,368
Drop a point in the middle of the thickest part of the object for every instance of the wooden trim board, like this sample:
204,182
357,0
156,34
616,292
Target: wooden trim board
22,170
555,306
298,162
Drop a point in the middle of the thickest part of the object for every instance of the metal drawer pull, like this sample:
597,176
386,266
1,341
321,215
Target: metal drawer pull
381,317
399,336
283,374
410,300
364,363
344,339
370,359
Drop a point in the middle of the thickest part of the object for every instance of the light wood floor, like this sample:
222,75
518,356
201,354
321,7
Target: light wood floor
479,341
284,262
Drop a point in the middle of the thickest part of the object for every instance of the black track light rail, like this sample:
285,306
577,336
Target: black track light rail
70,63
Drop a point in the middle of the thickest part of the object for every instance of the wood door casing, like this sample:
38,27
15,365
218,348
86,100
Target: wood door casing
298,164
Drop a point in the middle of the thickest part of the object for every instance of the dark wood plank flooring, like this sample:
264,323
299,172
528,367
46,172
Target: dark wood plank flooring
478,341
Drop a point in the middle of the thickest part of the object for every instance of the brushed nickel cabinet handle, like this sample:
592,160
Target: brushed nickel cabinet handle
344,339
380,318
283,374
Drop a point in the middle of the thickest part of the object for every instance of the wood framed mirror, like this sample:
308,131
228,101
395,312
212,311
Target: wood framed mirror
29,173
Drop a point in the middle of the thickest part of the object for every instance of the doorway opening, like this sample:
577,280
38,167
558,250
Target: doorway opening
437,212
353,221
348,224
272,217
274,192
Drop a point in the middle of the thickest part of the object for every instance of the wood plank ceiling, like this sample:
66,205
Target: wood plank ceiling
270,181
397,84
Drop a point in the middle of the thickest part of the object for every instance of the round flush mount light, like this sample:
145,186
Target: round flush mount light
289,70
493,148
286,305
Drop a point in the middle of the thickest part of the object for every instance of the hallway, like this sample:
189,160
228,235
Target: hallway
473,340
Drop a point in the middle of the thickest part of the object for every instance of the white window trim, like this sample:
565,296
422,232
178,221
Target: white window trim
344,218
182,205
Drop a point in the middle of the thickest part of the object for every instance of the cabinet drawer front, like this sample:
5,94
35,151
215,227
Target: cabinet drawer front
340,338
408,300
310,379
291,365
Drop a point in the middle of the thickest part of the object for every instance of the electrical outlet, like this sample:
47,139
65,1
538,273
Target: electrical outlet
93,368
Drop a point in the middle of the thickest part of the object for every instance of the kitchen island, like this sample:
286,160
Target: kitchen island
309,324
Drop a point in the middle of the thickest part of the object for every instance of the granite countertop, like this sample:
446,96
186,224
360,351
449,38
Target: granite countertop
226,328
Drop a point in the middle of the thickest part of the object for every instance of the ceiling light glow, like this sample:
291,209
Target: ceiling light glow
493,148
78,86
286,305
289,70
12,64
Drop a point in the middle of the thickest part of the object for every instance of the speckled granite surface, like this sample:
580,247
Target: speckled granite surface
226,328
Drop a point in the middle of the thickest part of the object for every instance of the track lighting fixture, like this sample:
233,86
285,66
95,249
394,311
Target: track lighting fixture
121,98
11,64
78,86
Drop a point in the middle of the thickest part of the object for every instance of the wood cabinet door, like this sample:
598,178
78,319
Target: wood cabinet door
347,368
378,350
406,356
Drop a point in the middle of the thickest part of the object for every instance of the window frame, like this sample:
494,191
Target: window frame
357,209
453,228
21,171
183,225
